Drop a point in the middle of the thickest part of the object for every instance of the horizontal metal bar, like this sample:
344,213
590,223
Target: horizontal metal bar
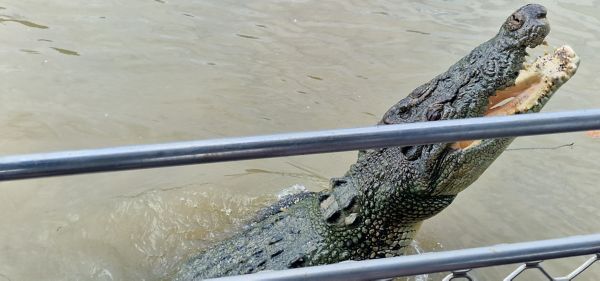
436,261
207,151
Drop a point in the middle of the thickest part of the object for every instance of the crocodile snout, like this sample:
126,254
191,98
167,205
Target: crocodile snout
536,10
528,25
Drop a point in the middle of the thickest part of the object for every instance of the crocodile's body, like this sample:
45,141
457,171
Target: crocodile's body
374,210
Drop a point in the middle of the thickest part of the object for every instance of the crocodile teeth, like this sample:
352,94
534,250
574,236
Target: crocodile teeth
540,79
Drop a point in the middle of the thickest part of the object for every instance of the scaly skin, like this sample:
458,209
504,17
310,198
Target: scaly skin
375,209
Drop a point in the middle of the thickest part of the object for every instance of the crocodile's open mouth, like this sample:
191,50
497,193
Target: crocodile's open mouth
534,86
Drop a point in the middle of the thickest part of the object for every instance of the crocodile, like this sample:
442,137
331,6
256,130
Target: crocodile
376,208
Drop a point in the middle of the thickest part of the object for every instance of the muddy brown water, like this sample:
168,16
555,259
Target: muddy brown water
103,73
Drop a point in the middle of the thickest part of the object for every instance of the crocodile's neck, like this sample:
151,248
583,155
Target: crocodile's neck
366,215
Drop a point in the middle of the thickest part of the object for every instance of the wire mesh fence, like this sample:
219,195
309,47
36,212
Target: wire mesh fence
535,267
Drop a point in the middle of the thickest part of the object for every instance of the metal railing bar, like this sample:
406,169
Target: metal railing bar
230,149
436,261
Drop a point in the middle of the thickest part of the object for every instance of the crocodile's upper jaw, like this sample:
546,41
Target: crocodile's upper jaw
534,86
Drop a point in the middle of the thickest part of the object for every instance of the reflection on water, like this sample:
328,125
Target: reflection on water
158,71
23,22
65,51
33,52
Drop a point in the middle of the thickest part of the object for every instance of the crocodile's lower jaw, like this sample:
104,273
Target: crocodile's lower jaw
533,87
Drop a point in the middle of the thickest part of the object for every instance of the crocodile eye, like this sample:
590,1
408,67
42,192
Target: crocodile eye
434,112
515,21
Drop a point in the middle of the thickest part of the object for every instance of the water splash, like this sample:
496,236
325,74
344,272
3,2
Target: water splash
294,189
417,249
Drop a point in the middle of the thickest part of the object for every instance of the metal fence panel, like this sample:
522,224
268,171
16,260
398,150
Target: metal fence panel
530,253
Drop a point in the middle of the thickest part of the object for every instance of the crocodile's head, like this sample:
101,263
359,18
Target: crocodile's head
511,86
494,79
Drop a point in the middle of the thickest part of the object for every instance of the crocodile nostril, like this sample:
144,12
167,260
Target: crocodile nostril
541,15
